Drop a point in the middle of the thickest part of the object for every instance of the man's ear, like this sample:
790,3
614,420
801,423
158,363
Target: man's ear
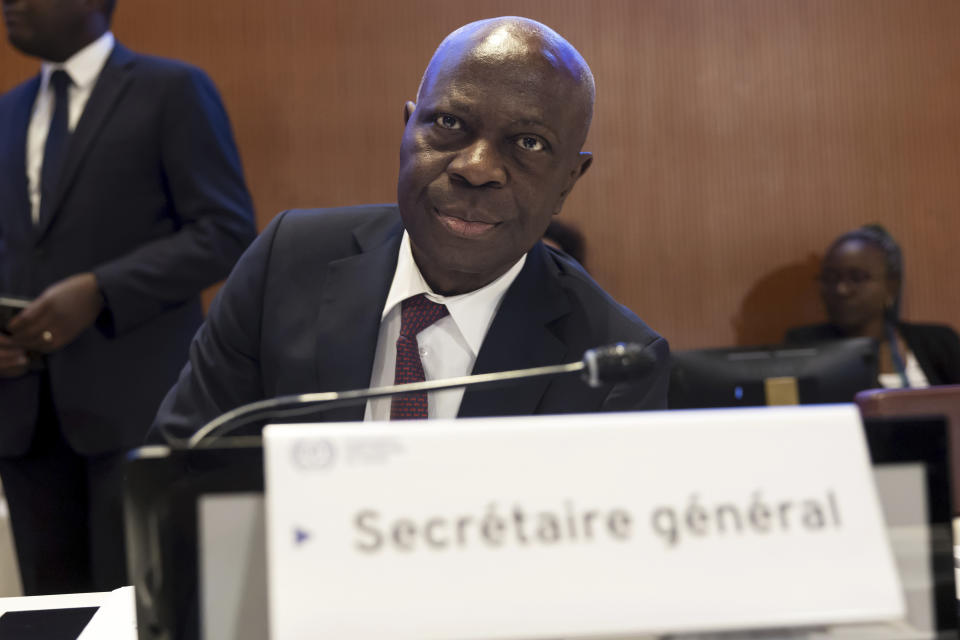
408,111
584,161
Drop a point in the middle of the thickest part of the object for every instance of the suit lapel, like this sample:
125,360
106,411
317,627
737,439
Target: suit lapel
113,81
916,343
349,324
13,148
520,337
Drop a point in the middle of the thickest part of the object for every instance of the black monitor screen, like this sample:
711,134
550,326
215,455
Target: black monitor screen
814,373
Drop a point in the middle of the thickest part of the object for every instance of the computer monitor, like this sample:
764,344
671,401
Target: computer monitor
812,373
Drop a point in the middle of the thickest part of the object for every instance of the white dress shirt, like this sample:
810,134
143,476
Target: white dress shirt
84,68
448,347
915,375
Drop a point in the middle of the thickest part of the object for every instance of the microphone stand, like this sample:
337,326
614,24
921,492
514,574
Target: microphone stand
600,366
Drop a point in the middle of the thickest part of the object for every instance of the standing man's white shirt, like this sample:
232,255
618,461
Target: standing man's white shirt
84,68
449,347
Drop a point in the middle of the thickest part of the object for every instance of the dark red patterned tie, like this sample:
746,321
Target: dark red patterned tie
416,314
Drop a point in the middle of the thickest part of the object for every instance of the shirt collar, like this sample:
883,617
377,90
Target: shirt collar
472,312
85,65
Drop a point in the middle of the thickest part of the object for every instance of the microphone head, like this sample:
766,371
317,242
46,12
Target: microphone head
616,363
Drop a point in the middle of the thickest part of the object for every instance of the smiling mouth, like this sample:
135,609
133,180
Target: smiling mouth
465,228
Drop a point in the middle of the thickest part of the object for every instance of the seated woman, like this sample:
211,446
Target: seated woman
861,279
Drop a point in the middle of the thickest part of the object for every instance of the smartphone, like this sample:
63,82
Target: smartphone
9,307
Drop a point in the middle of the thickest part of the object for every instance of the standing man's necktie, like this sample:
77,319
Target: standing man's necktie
416,314
56,146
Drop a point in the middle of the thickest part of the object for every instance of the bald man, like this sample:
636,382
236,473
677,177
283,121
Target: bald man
452,280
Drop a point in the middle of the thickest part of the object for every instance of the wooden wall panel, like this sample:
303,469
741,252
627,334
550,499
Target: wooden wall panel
733,138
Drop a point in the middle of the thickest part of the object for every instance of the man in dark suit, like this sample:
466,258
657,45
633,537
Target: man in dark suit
452,280
121,198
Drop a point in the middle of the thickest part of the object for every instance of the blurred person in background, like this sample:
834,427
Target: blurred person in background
861,283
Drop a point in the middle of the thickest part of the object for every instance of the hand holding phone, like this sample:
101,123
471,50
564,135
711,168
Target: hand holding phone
10,306
12,362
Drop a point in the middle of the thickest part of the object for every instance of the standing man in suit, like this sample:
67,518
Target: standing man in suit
121,198
452,280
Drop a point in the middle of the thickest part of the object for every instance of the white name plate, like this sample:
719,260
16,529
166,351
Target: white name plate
563,526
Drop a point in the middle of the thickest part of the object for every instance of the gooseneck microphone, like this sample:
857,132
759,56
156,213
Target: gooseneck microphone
599,366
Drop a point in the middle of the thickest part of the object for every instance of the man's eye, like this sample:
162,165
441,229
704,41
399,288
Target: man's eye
447,121
530,143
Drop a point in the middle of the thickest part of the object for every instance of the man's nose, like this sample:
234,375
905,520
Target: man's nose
479,165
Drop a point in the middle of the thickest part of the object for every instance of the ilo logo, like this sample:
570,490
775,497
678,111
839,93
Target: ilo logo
313,455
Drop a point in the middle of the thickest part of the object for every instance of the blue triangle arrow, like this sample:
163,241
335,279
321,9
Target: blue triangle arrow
300,536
